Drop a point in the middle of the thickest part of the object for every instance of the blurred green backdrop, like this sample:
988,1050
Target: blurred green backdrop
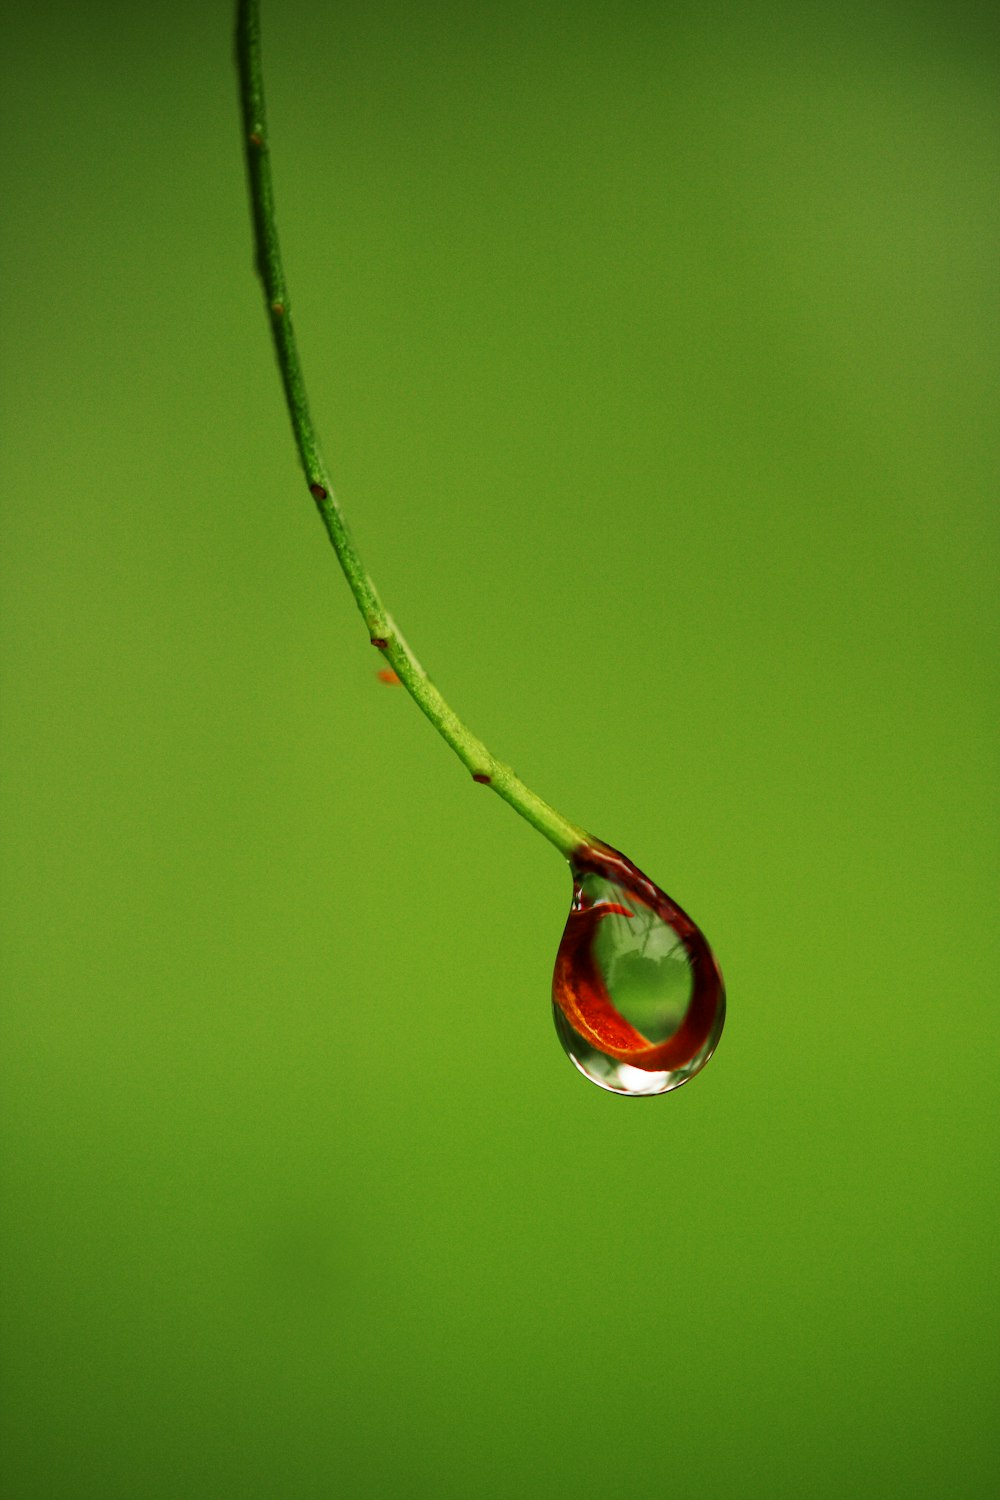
654,346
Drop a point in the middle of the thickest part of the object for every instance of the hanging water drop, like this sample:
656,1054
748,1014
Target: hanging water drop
637,996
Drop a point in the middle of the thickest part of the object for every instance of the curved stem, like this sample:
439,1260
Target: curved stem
382,629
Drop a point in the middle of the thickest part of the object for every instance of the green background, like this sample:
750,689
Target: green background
654,349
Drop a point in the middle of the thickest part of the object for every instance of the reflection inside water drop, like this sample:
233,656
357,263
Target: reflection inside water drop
638,999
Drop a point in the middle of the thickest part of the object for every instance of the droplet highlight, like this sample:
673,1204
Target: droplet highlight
637,995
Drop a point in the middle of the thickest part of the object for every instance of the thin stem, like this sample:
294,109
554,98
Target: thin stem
382,629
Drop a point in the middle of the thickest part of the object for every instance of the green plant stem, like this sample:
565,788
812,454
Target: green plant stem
382,629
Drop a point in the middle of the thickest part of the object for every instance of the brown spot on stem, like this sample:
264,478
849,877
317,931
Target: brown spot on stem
317,491
482,778
256,139
380,642
278,309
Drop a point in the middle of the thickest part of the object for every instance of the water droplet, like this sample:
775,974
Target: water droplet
637,996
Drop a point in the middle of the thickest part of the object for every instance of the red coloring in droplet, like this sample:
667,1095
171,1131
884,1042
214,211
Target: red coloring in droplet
388,676
579,989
